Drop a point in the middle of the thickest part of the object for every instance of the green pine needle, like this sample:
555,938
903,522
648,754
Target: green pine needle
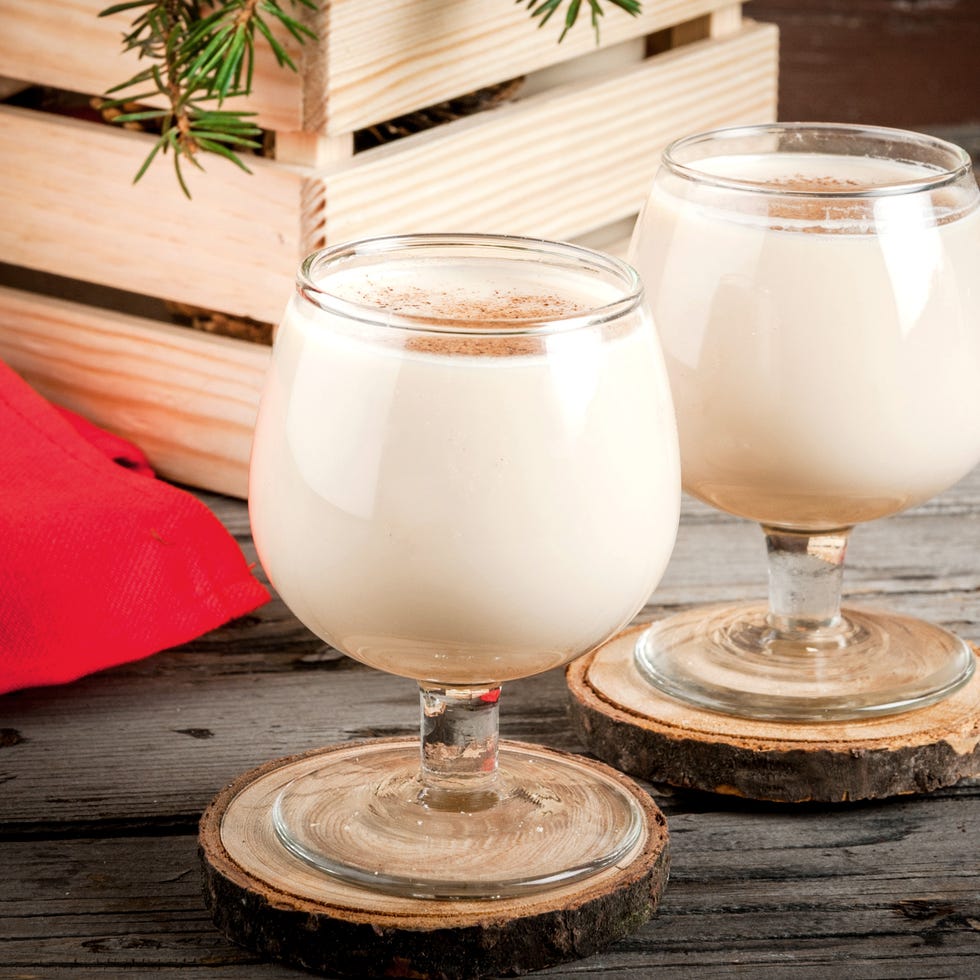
202,51
543,9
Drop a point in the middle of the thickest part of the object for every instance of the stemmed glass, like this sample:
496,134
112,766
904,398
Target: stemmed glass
816,289
465,471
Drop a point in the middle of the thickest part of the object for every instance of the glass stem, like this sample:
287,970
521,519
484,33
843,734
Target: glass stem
460,729
805,577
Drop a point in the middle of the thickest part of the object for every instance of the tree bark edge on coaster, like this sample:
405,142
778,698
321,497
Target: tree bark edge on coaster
346,931
654,737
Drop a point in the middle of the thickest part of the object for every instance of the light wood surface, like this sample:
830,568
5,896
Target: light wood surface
365,67
70,208
104,780
65,44
235,246
608,152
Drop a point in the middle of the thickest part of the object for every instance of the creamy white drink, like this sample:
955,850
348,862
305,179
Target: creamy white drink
456,507
823,353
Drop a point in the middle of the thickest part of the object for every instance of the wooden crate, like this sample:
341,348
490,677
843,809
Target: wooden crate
571,158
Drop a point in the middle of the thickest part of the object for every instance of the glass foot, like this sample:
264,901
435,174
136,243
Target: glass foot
727,658
544,822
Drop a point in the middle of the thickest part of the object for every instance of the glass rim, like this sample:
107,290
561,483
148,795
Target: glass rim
928,182
376,315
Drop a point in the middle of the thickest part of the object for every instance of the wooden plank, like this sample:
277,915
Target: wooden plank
235,246
425,51
70,208
366,67
506,180
892,887
881,62
188,399
65,44
312,150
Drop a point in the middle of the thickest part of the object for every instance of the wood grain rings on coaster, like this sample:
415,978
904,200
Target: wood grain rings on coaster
626,722
269,901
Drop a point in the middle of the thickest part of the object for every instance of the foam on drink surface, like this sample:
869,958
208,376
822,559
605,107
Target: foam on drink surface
456,308
848,195
461,296
813,171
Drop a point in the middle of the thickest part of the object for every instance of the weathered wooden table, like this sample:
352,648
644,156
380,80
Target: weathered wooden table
102,783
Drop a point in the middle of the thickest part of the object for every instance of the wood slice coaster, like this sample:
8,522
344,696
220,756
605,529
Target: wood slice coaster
628,723
264,898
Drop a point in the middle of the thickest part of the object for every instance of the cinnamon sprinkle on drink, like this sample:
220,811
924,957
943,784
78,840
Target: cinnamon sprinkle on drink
457,312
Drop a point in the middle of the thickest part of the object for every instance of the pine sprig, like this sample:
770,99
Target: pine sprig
202,53
543,9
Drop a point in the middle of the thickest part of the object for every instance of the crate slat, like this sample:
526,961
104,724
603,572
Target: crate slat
571,158
562,163
235,246
66,45
424,51
365,67
70,209
186,398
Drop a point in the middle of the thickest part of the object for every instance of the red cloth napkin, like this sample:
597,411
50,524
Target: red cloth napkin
100,563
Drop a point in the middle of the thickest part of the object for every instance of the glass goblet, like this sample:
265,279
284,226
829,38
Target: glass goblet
465,471
816,289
